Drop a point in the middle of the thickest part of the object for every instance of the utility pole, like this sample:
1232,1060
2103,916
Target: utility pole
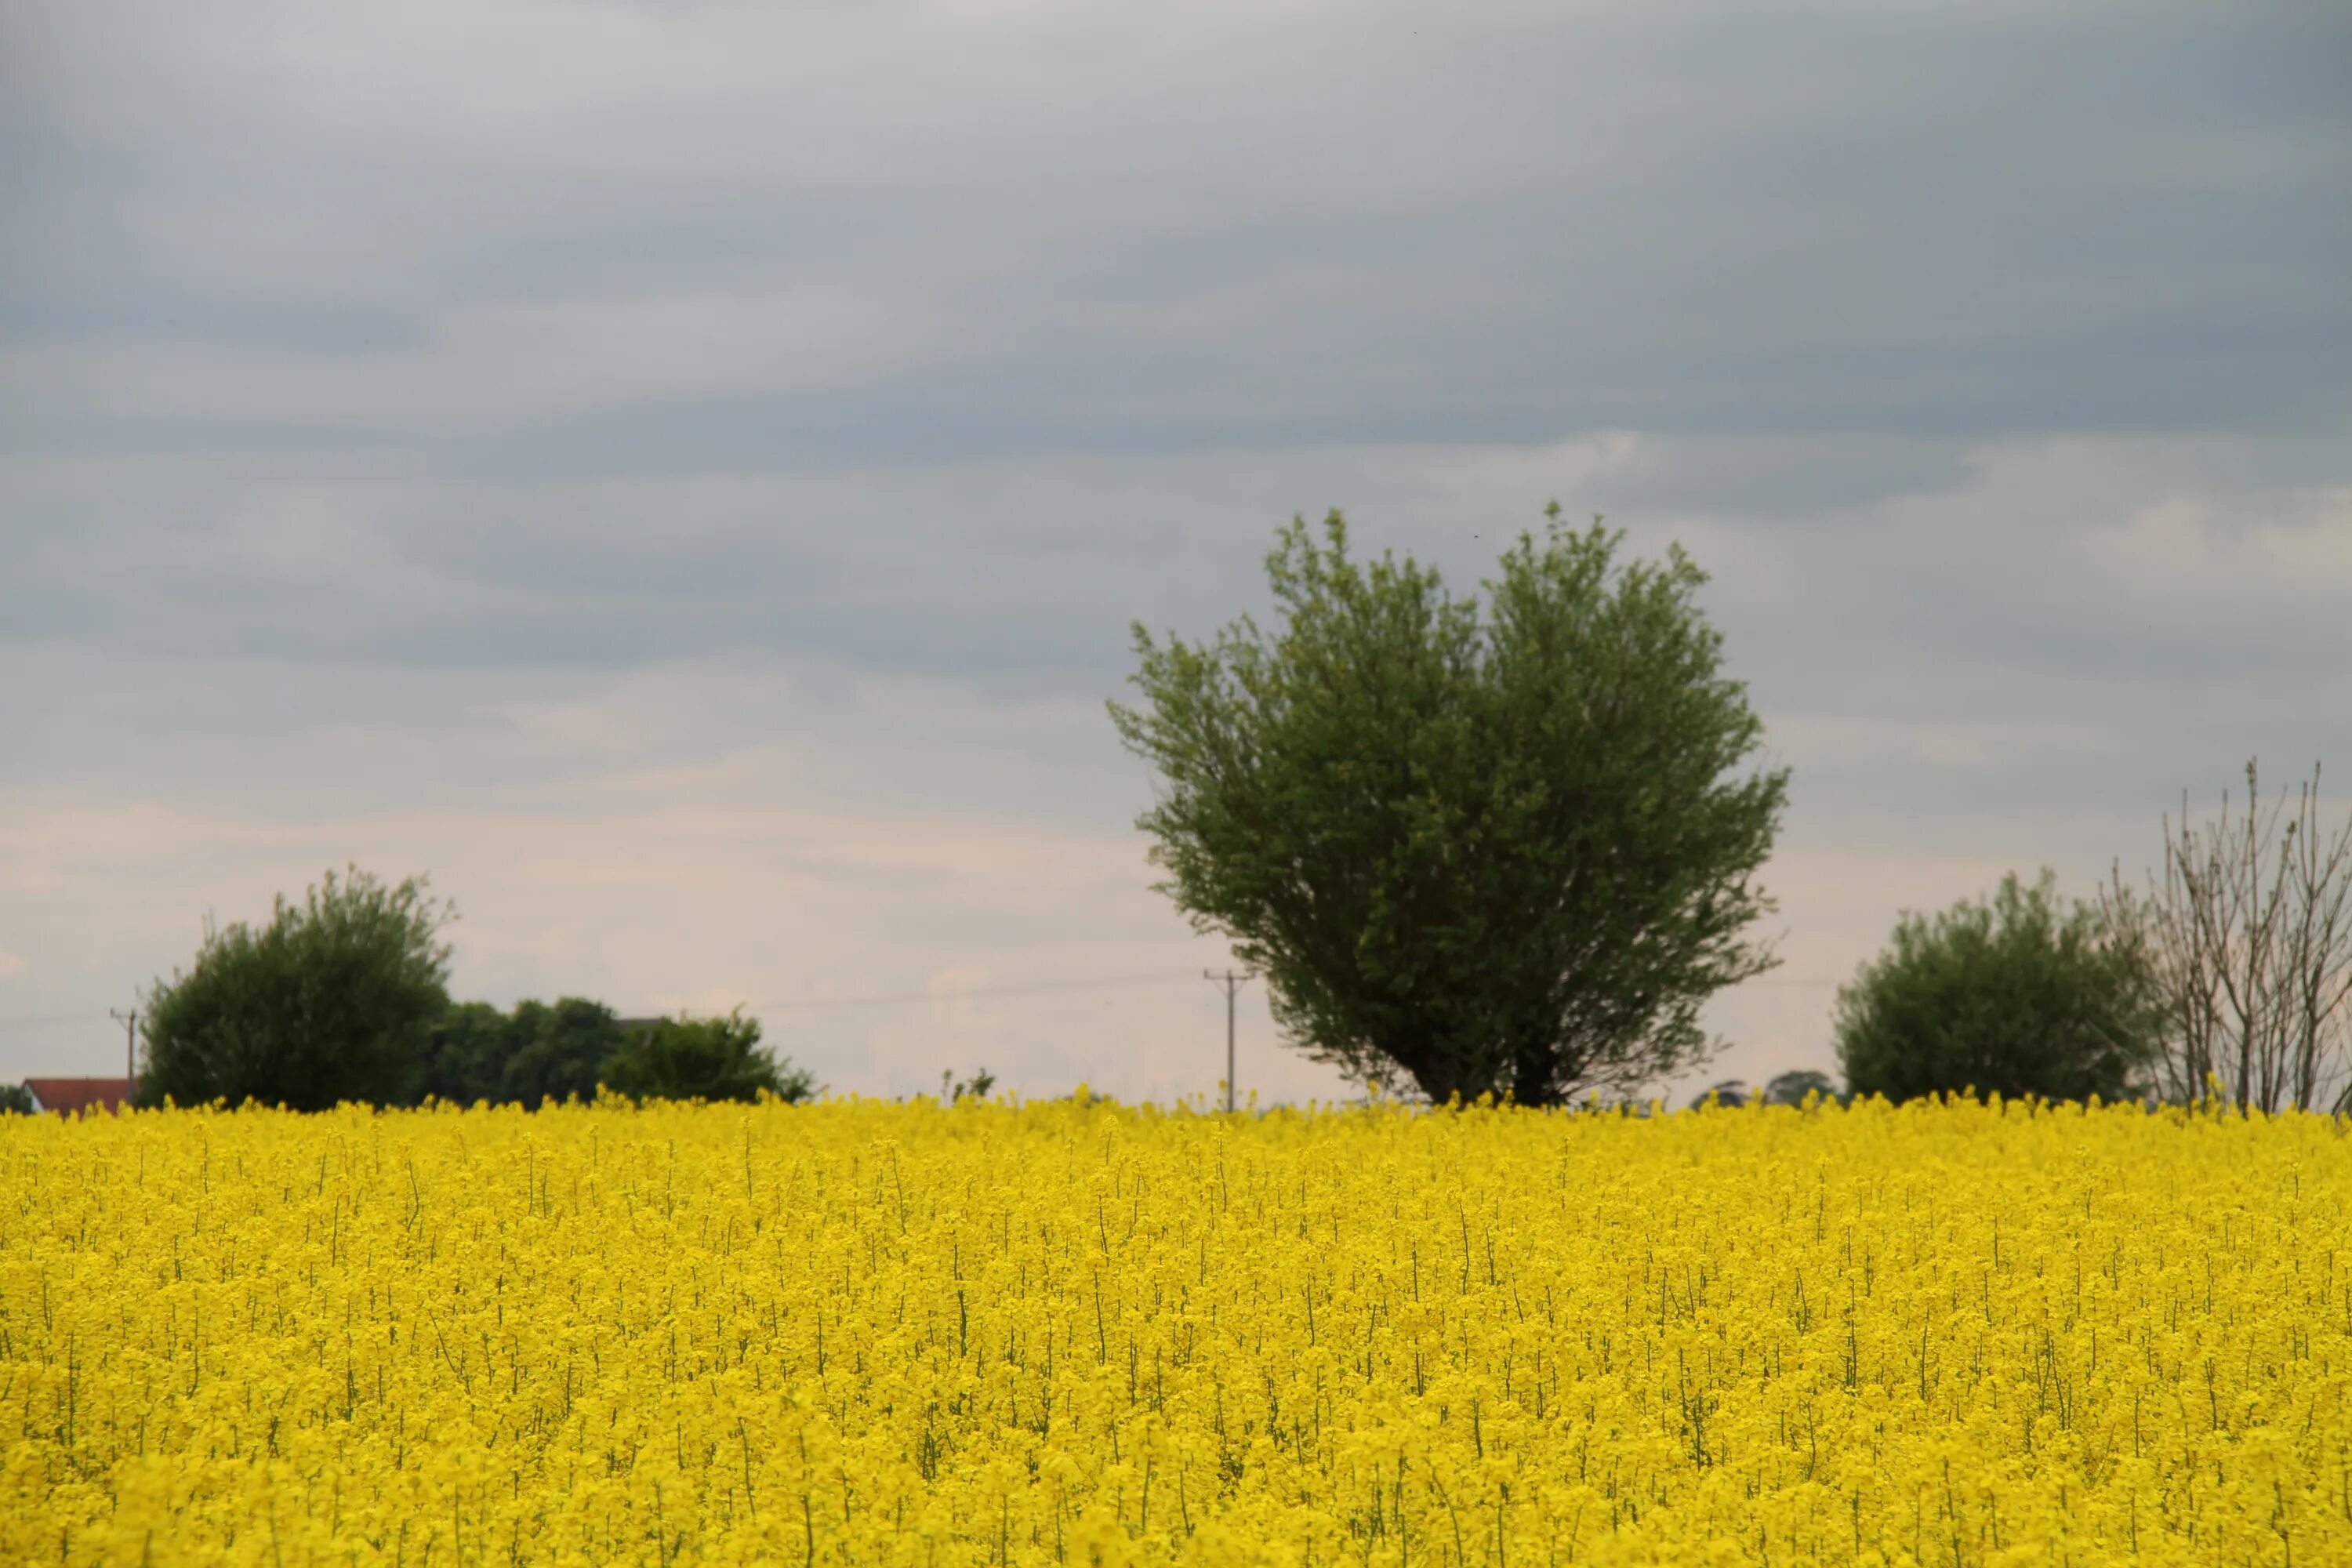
1232,983
129,1022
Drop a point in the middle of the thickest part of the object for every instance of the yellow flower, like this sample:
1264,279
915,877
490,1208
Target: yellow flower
876,1334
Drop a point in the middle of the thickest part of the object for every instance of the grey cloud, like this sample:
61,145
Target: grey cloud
2172,560
2070,616
556,444
1067,234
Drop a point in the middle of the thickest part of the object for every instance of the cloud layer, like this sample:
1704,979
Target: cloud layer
683,475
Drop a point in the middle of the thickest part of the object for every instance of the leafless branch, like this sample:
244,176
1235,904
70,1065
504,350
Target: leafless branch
2249,933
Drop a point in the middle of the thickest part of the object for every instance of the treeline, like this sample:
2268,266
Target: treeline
540,1052
1508,846
343,998
1512,846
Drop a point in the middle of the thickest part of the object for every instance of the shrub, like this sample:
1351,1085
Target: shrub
705,1058
953,1091
2014,995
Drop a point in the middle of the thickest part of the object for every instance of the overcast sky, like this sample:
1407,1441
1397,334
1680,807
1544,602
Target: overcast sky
681,475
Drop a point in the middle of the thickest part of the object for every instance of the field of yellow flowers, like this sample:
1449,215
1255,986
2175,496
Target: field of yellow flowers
878,1333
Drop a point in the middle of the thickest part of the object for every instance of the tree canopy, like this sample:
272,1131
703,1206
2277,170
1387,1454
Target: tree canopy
329,1002
704,1059
2018,995
1479,852
538,1053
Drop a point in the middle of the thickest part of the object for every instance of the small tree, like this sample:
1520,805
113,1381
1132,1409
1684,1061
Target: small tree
1480,856
705,1058
15,1100
2014,995
977,1086
2249,932
330,1002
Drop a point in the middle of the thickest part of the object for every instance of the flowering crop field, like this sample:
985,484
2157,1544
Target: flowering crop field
878,1333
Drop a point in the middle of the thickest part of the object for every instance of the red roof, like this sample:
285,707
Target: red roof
67,1095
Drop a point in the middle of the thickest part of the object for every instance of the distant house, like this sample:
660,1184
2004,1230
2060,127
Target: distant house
67,1095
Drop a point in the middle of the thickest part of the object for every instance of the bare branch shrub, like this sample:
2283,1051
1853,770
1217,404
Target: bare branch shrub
2249,934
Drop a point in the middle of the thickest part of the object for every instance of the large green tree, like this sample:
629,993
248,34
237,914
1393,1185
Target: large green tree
2018,995
329,1002
1498,852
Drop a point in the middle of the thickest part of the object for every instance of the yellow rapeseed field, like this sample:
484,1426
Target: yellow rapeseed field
878,1333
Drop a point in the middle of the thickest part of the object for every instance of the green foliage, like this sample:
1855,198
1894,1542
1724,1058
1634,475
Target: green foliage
1496,855
977,1086
559,1051
705,1058
15,1099
330,1002
2015,996
474,1052
343,997
464,1051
